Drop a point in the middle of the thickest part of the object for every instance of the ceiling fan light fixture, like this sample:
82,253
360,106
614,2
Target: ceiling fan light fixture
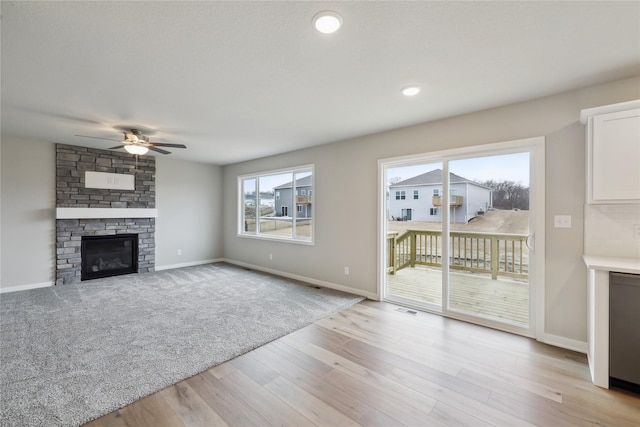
327,21
136,149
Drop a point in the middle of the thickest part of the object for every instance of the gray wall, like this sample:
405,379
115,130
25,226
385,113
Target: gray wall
189,212
187,197
346,175
28,212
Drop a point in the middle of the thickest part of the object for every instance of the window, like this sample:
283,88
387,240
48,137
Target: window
400,195
433,211
271,207
415,195
436,192
248,190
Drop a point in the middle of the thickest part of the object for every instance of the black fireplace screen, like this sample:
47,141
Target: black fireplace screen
104,256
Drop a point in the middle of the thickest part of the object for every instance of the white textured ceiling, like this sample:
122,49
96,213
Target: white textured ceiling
240,80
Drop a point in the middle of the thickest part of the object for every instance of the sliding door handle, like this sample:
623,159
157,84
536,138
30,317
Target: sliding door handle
530,241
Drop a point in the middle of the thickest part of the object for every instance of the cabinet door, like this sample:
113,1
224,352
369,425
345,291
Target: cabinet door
614,158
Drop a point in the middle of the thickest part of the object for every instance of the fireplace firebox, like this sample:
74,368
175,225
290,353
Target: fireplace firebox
104,256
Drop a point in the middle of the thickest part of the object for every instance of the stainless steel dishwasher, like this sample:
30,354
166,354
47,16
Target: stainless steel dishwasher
624,331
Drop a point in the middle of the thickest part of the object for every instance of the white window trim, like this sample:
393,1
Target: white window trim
256,176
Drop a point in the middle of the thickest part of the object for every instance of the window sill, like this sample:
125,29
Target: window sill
277,239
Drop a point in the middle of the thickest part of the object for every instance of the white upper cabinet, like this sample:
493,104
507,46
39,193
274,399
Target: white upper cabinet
613,153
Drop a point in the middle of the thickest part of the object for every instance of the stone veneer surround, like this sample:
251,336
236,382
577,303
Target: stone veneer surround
71,164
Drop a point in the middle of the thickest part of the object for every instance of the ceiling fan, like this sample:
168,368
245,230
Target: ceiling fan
135,142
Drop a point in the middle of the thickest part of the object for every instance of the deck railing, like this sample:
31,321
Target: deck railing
495,253
304,199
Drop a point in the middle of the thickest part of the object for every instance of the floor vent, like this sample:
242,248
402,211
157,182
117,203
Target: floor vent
406,310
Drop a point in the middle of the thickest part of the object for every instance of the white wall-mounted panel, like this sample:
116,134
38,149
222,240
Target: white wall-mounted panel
111,181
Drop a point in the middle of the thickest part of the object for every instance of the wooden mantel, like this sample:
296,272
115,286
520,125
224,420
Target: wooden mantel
98,213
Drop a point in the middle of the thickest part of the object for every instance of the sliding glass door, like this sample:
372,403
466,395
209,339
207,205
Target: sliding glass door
489,229
415,239
468,248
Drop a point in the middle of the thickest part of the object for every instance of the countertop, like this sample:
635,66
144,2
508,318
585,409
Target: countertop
622,265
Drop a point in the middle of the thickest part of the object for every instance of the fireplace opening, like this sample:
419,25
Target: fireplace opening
104,256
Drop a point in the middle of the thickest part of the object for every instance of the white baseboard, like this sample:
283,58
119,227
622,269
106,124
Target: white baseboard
316,282
568,343
188,264
25,287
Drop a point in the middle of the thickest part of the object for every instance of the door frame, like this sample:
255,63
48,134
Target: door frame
536,146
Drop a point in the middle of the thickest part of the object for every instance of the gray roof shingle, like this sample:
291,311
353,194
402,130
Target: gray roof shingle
433,177
302,182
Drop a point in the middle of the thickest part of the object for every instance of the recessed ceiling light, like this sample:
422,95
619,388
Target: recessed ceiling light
327,21
411,90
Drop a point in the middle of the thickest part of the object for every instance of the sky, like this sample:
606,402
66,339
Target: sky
507,167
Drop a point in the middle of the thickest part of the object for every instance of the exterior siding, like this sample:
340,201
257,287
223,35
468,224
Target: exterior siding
286,200
478,200
420,208
474,198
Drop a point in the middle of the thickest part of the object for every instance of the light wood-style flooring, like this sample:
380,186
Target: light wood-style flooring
372,365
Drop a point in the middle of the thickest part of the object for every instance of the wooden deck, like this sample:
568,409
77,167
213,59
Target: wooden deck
502,300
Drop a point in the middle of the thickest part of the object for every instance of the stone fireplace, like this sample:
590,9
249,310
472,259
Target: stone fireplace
87,213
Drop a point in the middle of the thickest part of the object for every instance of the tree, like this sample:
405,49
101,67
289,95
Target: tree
508,194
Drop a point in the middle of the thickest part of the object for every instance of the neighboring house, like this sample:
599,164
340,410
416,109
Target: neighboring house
420,198
285,201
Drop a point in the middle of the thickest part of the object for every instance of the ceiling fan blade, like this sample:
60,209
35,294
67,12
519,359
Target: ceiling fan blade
117,146
161,144
97,137
158,150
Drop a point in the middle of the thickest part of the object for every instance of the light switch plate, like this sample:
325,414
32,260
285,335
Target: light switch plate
562,221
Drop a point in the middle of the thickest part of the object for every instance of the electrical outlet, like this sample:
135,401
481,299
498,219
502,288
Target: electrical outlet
179,252
562,221
346,271
636,231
